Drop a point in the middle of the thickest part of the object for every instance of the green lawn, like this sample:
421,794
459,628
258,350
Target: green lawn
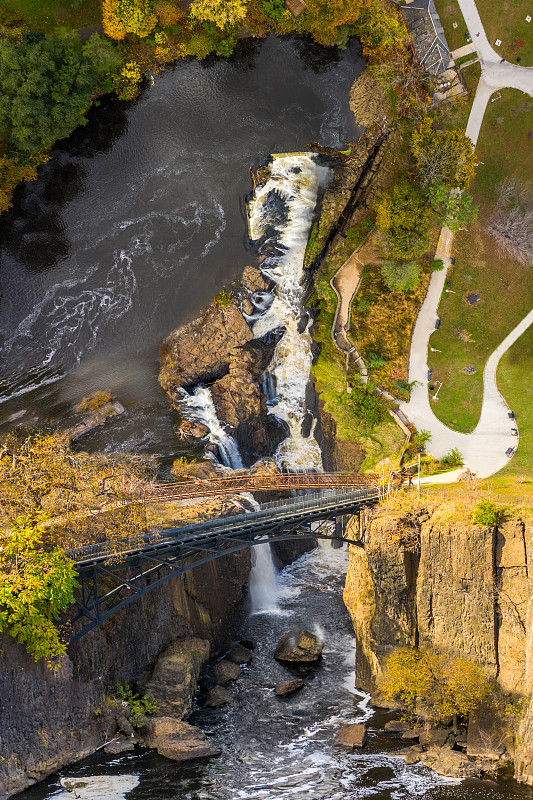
449,12
515,381
50,15
505,287
506,20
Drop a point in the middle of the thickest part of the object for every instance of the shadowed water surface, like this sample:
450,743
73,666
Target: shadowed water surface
138,221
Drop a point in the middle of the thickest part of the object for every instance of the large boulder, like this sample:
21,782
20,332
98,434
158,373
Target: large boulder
254,280
397,725
218,696
120,745
412,754
239,654
437,737
200,352
298,646
175,677
350,736
187,749
226,671
450,763
289,687
177,740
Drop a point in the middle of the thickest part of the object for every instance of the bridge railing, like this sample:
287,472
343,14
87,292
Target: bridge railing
256,483
288,506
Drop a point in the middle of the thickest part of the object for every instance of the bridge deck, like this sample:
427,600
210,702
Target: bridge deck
147,561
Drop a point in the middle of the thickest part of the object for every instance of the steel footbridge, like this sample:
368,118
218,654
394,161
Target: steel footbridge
112,576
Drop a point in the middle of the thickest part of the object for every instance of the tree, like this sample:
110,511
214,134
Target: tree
453,459
445,158
435,684
13,170
401,276
36,586
403,217
45,87
381,30
454,209
512,222
223,13
120,17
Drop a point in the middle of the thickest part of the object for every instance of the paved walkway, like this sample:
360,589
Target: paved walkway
483,449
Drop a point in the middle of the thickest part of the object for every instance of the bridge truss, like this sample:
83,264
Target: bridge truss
111,580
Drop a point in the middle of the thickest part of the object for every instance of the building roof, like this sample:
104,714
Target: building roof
429,42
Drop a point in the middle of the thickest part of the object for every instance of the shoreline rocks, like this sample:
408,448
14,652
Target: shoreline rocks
351,736
289,687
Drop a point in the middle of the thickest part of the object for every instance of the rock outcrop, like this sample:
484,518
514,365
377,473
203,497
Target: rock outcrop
289,687
351,736
430,578
298,646
173,682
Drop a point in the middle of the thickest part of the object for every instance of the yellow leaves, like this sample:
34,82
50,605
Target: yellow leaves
223,13
437,683
120,17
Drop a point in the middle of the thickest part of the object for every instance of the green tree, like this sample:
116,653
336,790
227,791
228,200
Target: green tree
36,586
46,86
401,276
453,459
438,685
403,217
445,158
453,208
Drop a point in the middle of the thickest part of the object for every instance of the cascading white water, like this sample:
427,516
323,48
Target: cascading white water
280,215
263,585
199,407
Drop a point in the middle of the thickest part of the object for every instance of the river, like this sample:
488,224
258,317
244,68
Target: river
275,749
139,220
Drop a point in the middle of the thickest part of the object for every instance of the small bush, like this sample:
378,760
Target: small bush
453,459
485,513
138,706
223,299
95,401
436,265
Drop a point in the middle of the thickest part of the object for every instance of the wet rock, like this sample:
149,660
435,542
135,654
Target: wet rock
239,654
187,749
254,280
248,643
156,730
437,737
175,677
397,725
121,745
412,755
350,736
450,763
247,307
289,687
200,352
192,430
226,671
378,775
218,696
266,467
298,646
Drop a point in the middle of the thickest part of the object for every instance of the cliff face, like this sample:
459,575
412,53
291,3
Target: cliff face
426,579
49,719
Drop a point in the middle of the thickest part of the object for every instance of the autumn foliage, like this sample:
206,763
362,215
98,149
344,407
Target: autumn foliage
120,17
437,685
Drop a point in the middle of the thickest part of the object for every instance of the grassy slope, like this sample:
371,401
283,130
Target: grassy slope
50,15
505,287
515,381
506,20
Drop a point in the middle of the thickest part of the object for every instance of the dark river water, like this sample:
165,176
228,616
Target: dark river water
139,220
282,749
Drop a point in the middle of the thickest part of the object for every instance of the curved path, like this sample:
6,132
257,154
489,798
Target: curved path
483,449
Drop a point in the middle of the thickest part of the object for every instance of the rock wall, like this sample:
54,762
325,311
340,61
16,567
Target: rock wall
428,577
49,719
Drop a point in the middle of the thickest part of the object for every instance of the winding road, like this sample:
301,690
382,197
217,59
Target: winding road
483,450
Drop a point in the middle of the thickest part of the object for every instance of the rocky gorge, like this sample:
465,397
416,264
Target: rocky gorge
429,578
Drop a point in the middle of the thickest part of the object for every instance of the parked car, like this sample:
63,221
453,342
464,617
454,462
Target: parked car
509,452
437,324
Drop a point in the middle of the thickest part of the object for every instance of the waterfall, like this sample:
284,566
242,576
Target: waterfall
263,583
199,407
280,217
